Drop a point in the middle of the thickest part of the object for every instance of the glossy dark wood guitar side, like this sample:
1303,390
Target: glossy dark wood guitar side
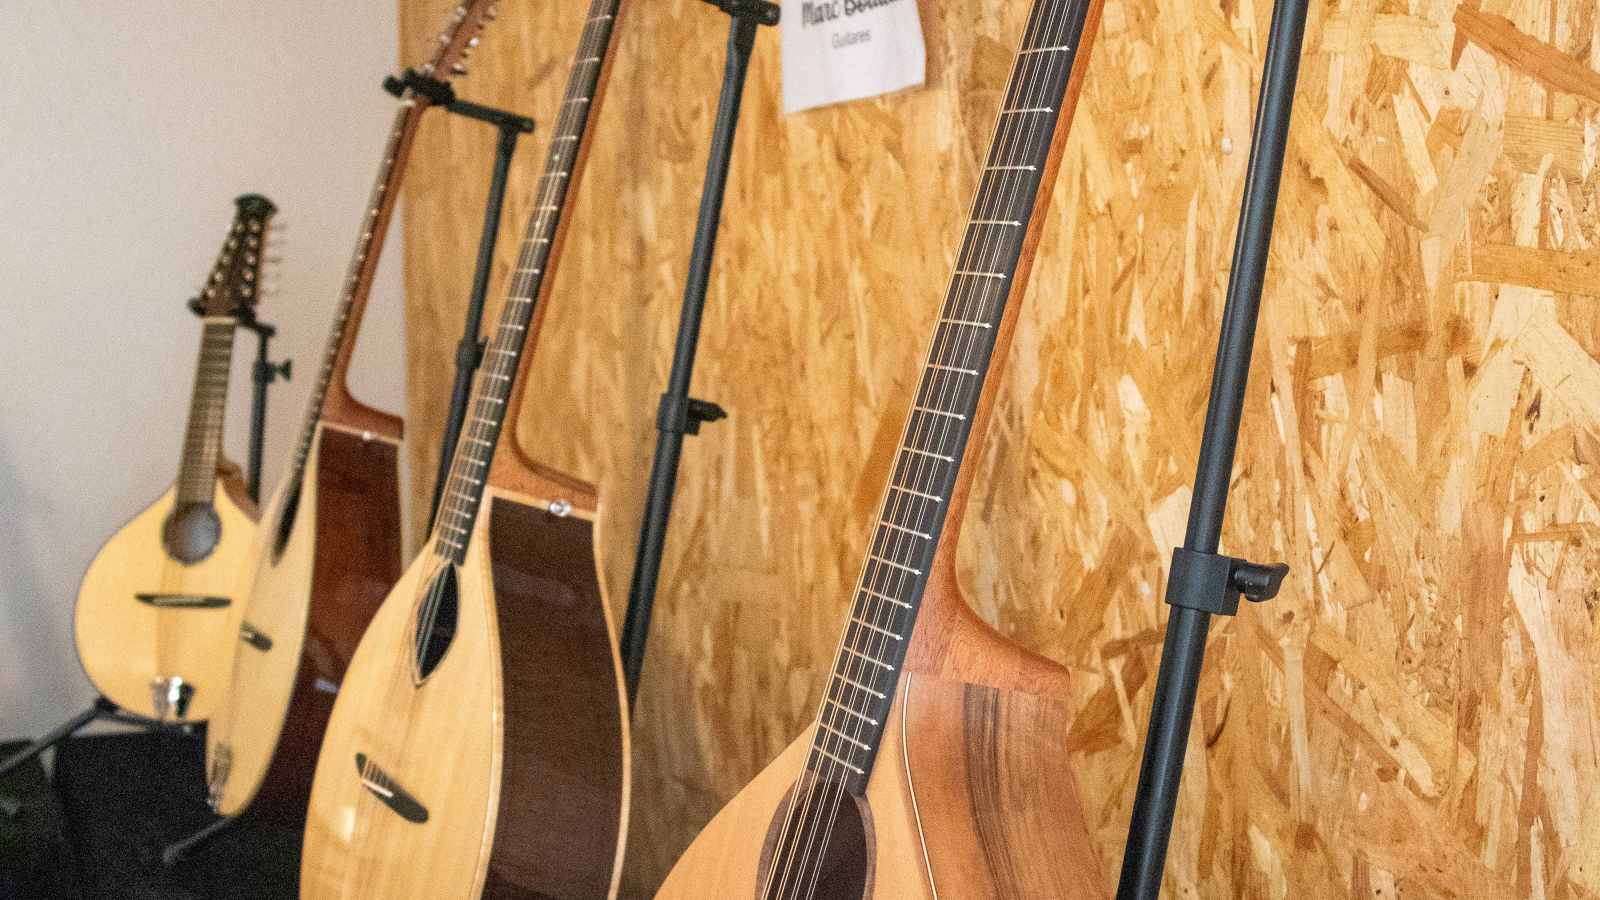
936,766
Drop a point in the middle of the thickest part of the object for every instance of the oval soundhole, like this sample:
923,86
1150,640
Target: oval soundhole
436,622
821,852
191,532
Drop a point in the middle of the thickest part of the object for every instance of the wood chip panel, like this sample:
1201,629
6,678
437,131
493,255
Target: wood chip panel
1415,715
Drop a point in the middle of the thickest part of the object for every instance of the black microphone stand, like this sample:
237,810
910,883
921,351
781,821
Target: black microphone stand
679,414
1203,583
469,350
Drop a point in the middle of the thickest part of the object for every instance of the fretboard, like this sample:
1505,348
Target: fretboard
202,440
363,265
469,469
914,506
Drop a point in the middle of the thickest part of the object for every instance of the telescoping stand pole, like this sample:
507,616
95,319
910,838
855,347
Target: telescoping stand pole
680,414
469,350
1201,582
262,374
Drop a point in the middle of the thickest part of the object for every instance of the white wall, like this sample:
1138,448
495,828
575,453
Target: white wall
126,130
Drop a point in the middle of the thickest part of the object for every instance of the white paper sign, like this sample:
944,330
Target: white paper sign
835,50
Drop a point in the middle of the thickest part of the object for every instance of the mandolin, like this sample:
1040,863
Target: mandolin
479,744
330,545
158,610
936,764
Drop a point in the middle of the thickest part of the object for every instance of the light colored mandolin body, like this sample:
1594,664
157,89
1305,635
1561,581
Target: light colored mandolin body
306,609
441,742
519,759
250,717
971,796
126,644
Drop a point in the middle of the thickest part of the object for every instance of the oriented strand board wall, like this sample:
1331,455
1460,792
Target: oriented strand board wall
1416,714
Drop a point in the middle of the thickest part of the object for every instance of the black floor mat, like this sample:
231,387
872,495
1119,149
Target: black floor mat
36,861
126,796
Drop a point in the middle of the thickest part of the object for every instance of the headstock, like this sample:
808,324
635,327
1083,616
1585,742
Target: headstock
460,37
235,280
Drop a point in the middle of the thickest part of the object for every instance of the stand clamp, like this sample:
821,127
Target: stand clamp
469,353
759,11
268,372
685,415
440,93
1212,583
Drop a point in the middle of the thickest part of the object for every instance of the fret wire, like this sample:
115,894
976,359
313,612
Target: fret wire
464,489
958,357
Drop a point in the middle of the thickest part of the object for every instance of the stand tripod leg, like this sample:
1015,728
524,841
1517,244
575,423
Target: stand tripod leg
100,708
174,853
679,414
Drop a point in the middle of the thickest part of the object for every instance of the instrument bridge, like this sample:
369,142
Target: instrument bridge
385,788
183,601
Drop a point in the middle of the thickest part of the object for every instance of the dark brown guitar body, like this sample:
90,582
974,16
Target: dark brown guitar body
562,782
358,559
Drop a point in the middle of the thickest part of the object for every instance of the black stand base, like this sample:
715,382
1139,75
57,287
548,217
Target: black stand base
102,709
173,853
679,414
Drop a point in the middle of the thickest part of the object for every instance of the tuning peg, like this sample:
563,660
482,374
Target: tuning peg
458,69
473,42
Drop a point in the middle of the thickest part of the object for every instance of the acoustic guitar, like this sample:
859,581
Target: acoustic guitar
157,611
330,543
936,764
479,743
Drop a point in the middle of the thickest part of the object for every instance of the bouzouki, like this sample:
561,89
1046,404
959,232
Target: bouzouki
479,744
158,610
330,544
936,764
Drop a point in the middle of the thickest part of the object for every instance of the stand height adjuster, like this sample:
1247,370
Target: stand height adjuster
1212,583
469,353
685,415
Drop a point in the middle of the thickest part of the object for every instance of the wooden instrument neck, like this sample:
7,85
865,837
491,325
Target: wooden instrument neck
202,440
913,541
498,390
330,399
